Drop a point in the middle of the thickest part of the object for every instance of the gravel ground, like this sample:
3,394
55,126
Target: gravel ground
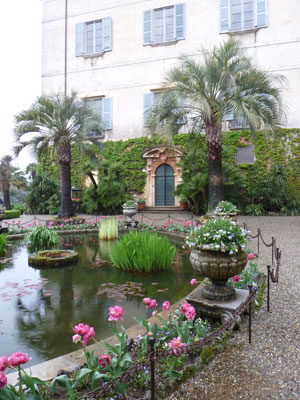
269,368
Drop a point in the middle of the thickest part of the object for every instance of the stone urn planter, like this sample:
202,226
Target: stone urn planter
218,267
128,213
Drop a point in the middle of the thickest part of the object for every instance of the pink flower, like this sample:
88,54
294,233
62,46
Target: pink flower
3,380
81,329
146,300
86,338
154,313
115,313
61,225
188,311
250,256
18,358
166,305
193,282
152,304
3,363
76,338
176,345
104,360
236,279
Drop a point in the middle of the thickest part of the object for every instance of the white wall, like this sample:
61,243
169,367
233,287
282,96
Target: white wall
131,69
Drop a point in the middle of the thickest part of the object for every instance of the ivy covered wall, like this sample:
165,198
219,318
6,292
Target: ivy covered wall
284,148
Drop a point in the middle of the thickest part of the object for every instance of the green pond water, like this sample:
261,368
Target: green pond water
38,308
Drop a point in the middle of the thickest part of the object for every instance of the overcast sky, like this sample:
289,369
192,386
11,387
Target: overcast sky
20,66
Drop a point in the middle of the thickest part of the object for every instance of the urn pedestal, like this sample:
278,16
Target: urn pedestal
128,213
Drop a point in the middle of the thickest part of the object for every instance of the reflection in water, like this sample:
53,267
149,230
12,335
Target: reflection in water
44,305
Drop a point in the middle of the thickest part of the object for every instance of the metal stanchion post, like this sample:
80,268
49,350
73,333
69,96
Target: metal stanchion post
258,234
250,315
268,289
152,365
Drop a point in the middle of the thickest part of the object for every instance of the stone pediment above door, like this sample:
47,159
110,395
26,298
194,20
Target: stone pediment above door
163,153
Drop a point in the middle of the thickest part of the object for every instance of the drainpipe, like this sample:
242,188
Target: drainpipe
66,44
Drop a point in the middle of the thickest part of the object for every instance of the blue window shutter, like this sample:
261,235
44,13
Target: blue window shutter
106,32
180,21
107,112
147,27
224,15
261,12
148,103
79,39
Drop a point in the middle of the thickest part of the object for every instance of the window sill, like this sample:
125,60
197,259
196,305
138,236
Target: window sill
244,31
162,43
94,55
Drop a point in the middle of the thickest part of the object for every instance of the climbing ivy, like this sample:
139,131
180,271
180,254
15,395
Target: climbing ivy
283,148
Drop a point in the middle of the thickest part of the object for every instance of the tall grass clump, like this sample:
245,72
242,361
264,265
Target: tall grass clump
3,243
108,229
143,252
42,237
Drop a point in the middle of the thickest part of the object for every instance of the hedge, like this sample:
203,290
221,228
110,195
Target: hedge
12,214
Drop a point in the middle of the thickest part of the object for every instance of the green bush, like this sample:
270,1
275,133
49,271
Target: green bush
12,214
143,252
20,207
42,237
3,243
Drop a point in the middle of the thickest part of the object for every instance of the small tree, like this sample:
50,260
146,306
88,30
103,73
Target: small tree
10,175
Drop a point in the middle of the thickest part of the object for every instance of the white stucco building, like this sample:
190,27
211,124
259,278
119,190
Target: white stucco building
115,53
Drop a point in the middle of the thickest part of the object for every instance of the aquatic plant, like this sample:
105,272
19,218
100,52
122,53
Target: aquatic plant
41,237
3,243
143,252
108,229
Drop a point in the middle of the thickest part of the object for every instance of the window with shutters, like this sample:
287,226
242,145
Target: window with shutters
93,38
163,25
242,15
151,99
103,107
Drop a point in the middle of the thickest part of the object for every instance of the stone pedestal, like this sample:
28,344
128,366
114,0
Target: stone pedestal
216,310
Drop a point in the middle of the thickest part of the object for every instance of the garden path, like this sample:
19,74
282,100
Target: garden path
269,368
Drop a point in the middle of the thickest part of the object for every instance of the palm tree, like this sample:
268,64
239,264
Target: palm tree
201,94
53,123
10,175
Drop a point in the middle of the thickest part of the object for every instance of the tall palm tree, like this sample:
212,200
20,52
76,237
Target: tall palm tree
52,124
9,175
200,94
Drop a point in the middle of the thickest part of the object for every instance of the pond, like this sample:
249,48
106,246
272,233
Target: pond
40,307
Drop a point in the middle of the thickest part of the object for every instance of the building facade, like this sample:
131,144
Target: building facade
115,53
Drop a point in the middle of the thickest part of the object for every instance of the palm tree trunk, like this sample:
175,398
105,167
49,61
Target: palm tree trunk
215,175
66,207
6,198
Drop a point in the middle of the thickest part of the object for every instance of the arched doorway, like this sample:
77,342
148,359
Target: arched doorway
164,185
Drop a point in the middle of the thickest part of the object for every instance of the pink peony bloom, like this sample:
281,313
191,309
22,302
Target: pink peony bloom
166,305
3,380
176,345
115,313
146,300
81,329
61,225
193,282
86,338
18,358
236,279
152,304
76,338
250,256
154,313
104,360
3,363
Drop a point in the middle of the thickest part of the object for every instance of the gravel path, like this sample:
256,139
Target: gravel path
269,368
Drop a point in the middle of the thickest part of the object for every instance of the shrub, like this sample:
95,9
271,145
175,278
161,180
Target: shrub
20,207
42,237
226,207
3,243
108,229
12,214
143,252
